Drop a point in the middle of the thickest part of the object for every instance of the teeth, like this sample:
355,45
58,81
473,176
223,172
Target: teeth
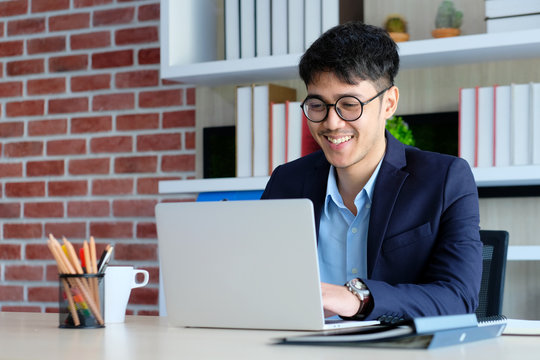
340,140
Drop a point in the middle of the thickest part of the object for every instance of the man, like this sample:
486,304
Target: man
398,226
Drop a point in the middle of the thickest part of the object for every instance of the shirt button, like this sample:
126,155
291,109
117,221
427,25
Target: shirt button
355,271
354,230
368,206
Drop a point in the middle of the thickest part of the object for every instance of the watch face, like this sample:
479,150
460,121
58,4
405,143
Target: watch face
358,284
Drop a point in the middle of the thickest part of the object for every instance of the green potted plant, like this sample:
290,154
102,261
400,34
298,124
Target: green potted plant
448,20
396,26
400,130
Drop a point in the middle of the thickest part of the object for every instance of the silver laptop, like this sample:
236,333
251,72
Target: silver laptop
242,264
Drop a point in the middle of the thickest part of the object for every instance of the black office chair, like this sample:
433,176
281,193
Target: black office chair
493,272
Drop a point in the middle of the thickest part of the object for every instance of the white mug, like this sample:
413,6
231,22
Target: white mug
119,280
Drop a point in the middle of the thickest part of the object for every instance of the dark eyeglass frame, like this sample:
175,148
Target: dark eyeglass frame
362,104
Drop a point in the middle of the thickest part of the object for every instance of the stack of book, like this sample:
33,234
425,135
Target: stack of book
270,129
500,125
256,28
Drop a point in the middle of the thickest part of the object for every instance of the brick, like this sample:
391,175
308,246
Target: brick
46,86
10,170
189,141
49,5
159,142
112,186
148,12
11,8
144,296
148,56
11,293
25,67
10,210
112,230
69,22
178,163
122,101
68,63
137,122
38,251
26,26
85,209
71,230
17,308
91,124
25,108
22,231
66,147
150,185
44,209
46,45
89,166
160,98
190,96
134,208
11,129
111,144
139,78
146,231
42,293
47,127
87,3
140,35
68,105
135,164
10,251
24,273
51,273
68,188
23,148
45,168
174,119
112,59
11,48
113,16
91,40
90,82
135,252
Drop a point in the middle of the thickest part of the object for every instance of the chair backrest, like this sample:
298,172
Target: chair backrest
493,272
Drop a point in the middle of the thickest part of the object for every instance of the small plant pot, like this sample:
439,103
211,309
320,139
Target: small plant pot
399,36
445,32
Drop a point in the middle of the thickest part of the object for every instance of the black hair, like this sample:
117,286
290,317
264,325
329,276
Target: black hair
352,51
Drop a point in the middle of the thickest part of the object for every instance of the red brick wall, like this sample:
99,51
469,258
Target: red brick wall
87,130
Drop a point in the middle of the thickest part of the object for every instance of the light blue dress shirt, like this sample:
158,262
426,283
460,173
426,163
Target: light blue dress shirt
342,244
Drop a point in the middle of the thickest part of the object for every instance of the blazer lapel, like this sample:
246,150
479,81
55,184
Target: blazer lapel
315,186
389,182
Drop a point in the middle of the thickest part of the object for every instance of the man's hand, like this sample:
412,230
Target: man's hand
338,300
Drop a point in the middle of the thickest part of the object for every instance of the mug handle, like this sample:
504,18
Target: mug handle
142,283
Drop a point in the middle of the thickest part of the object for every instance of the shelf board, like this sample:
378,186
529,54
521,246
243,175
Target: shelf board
507,176
413,54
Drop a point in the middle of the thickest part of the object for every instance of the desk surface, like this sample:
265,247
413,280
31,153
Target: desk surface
36,336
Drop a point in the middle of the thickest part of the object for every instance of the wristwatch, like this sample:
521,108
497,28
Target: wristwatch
360,290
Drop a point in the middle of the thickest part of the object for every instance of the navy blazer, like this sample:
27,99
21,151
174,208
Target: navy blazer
424,254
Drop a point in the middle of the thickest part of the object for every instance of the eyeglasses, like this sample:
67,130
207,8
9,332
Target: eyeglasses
348,107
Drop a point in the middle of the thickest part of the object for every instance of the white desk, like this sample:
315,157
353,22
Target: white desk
36,336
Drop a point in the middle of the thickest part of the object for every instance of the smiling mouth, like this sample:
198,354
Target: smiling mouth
340,140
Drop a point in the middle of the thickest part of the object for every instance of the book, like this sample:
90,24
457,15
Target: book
502,125
467,125
520,124
263,95
330,14
247,28
309,145
295,22
312,22
522,327
294,126
244,131
485,127
279,27
232,29
263,28
277,136
535,122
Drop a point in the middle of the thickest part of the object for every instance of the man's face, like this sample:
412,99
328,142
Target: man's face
348,145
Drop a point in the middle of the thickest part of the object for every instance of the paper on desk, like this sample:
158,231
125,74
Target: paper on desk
522,327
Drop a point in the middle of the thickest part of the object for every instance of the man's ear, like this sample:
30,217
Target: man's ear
391,102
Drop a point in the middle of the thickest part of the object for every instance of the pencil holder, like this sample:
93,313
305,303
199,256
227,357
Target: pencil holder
81,301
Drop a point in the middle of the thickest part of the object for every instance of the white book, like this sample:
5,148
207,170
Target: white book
244,132
527,22
261,127
294,130
485,127
277,151
330,14
263,28
501,8
520,124
295,18
502,126
279,27
247,28
467,125
313,21
535,121
232,29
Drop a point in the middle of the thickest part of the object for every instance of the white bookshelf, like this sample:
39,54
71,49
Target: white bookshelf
507,176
